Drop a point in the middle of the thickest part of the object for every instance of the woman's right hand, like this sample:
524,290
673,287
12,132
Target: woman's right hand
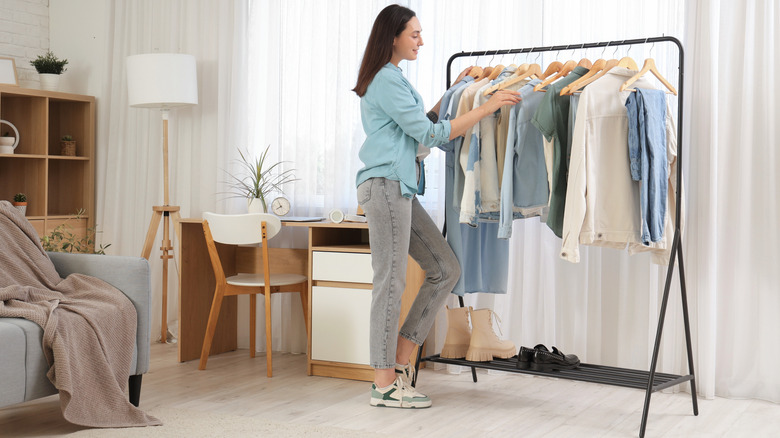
461,124
501,98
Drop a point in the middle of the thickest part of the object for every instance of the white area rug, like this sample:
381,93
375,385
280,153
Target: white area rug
184,423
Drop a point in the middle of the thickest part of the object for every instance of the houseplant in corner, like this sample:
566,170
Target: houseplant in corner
64,239
49,69
258,179
20,202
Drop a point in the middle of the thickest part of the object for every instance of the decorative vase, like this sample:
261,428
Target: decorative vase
7,145
255,205
68,148
21,206
49,81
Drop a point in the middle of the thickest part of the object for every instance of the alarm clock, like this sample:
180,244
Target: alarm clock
280,206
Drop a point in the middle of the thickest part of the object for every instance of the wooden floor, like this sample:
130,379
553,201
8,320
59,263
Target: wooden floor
498,405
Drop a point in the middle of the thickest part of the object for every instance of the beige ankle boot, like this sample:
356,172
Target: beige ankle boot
456,343
485,344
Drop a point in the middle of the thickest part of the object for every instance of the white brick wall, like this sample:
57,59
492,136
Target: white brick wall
24,34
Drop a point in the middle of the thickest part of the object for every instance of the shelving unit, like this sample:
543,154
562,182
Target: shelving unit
57,186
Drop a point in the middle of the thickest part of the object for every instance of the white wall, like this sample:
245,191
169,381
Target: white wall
78,31
24,34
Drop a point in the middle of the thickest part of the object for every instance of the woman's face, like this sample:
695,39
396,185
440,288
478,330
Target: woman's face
406,45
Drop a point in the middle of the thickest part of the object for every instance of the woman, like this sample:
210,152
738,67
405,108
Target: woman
395,123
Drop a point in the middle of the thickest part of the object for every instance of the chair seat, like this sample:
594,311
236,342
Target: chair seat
258,279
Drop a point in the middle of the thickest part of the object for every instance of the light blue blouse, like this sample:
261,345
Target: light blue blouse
394,120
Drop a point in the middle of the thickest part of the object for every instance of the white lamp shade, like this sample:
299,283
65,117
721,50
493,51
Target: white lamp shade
162,80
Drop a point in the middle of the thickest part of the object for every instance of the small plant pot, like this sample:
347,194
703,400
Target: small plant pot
21,206
68,148
255,205
49,81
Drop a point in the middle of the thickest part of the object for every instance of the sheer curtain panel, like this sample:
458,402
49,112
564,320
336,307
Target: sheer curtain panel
201,138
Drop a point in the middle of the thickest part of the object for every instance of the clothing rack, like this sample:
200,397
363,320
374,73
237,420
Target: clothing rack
650,380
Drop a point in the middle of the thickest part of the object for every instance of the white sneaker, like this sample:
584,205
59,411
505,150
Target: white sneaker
398,395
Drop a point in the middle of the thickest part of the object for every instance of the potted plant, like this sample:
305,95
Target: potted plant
68,145
258,179
49,69
20,202
63,239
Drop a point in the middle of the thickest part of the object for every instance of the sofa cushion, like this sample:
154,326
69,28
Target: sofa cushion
35,381
36,384
12,363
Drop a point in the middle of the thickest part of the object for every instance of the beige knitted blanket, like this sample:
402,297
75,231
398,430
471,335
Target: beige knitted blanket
88,327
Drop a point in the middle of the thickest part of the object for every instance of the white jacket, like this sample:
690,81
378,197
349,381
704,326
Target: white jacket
602,201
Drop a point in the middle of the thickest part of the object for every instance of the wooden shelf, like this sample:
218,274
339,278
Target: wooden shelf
57,186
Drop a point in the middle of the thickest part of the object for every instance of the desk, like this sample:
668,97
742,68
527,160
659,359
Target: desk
197,283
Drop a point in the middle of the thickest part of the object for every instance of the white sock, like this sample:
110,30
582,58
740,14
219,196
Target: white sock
386,388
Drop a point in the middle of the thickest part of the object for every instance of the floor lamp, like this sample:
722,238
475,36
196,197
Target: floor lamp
163,81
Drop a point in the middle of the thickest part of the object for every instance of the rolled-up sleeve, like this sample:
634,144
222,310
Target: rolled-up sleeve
398,101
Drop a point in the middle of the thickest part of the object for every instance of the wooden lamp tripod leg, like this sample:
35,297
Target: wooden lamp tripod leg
158,212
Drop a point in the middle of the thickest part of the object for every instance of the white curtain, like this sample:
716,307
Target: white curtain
732,245
129,167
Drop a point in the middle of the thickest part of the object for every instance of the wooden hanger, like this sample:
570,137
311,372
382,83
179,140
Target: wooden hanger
496,71
553,68
566,69
594,69
628,63
585,62
518,71
485,73
649,66
609,64
522,69
531,70
475,72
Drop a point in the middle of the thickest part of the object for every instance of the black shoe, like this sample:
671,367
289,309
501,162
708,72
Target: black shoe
555,360
526,356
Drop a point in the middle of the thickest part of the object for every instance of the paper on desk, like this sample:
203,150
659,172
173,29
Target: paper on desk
302,219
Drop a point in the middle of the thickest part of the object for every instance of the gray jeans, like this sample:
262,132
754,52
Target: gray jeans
399,227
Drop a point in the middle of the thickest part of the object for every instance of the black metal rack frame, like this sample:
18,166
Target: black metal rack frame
650,380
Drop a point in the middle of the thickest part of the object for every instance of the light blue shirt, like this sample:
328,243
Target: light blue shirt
524,188
394,120
648,161
483,258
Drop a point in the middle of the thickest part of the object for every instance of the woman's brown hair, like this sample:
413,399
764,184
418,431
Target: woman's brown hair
390,22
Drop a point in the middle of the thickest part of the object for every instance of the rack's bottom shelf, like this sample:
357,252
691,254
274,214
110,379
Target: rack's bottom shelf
586,372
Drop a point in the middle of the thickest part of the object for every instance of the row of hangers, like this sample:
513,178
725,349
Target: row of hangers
557,70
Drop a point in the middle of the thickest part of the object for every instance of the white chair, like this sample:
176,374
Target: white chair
239,230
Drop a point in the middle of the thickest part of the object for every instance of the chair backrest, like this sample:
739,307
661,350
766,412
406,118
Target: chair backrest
240,229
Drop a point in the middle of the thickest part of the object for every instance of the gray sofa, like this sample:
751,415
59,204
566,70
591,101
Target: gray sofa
22,363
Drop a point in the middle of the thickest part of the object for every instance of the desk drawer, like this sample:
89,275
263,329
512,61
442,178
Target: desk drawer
340,324
342,266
